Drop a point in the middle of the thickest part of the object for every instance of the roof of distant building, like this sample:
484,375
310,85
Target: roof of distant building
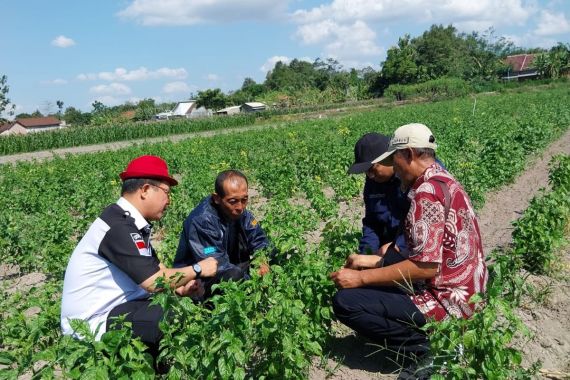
520,62
31,122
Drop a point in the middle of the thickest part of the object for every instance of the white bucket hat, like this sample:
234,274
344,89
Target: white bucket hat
414,135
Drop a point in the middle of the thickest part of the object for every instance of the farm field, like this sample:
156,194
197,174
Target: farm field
270,326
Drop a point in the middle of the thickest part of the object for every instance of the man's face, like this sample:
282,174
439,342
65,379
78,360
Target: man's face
380,173
158,200
402,168
234,202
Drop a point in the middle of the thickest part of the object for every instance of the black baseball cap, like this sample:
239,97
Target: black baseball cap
367,148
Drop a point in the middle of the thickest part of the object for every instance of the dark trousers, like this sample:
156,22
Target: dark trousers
386,315
144,318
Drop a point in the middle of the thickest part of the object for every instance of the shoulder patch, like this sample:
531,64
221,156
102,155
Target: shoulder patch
254,222
209,250
139,243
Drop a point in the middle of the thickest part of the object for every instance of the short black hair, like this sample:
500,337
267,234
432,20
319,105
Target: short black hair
225,175
132,184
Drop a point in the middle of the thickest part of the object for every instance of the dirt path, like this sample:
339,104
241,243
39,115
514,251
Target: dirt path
352,358
280,122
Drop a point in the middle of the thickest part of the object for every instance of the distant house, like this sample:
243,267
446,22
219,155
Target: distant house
31,125
253,107
229,110
200,112
521,67
182,109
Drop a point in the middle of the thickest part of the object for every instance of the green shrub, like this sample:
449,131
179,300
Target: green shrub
542,228
436,89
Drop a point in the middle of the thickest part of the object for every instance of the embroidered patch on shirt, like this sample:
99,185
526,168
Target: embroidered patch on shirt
139,243
254,222
209,250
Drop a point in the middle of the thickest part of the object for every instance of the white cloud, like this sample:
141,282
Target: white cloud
62,42
111,89
346,29
342,41
56,82
140,74
444,11
270,63
551,24
176,87
213,77
192,12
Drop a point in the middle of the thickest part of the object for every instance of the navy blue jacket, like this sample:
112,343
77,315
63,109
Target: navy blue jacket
206,233
385,208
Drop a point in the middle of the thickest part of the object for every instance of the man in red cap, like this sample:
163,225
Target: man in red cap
113,269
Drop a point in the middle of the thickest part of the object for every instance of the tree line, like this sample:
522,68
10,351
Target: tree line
440,52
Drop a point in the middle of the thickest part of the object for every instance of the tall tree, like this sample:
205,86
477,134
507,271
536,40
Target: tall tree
214,99
442,52
400,65
59,104
4,100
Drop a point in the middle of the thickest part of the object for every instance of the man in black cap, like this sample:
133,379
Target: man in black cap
384,203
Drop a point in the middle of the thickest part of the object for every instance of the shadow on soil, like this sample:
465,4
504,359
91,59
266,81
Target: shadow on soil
357,352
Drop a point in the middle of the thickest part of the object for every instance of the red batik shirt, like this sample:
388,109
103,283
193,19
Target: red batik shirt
456,247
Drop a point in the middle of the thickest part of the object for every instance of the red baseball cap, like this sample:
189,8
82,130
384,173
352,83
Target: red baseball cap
148,167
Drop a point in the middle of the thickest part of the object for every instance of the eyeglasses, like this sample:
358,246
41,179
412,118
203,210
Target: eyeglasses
166,191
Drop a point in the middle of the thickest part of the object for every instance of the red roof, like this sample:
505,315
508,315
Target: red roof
30,122
520,62
6,126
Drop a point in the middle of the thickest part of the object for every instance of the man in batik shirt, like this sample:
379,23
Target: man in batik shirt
446,262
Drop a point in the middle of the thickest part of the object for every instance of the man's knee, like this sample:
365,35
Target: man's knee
343,302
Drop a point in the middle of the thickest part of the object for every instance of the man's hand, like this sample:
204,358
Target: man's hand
263,269
193,288
346,278
356,261
209,267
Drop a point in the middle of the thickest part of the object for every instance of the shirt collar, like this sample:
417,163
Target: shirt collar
140,221
430,171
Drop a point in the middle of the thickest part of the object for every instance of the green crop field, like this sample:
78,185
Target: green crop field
268,327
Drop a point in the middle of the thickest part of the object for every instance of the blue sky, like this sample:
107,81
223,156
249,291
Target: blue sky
128,50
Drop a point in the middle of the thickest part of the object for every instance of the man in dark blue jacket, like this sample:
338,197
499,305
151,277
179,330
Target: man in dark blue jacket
384,202
221,227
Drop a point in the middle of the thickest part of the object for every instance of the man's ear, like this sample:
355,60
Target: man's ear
217,199
410,155
144,189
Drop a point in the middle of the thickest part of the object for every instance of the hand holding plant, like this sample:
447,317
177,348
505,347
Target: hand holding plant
193,288
356,261
346,278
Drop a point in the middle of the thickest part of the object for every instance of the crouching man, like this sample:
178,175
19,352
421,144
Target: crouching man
221,227
445,267
113,269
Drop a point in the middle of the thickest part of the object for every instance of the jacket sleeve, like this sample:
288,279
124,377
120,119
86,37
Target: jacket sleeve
256,238
369,242
201,238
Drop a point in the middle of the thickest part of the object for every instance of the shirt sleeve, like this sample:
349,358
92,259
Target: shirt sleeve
125,247
425,226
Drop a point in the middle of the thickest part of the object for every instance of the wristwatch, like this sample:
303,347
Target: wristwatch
197,269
